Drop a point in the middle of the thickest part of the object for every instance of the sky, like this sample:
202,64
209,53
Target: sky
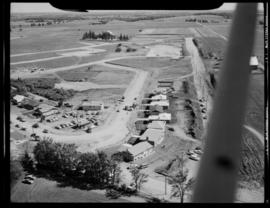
46,7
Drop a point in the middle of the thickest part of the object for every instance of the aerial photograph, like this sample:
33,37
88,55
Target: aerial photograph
113,105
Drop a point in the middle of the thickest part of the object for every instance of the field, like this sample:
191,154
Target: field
256,103
146,63
252,163
259,38
97,74
32,57
61,62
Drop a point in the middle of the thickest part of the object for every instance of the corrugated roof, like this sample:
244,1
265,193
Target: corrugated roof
140,148
92,103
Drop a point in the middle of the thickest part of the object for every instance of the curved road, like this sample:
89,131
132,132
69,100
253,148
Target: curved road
116,129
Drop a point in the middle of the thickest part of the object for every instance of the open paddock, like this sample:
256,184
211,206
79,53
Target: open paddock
104,95
174,72
255,107
98,74
33,57
146,63
55,63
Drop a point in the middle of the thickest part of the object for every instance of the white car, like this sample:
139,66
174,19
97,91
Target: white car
194,157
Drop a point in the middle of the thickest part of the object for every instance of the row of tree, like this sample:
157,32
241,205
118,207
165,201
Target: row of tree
95,170
104,36
41,24
196,20
43,87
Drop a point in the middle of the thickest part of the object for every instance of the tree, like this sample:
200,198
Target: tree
139,178
114,172
27,162
180,182
16,171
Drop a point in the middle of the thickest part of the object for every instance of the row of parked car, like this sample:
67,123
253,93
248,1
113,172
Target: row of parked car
61,126
195,154
203,108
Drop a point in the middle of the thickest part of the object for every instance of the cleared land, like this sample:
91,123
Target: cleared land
98,74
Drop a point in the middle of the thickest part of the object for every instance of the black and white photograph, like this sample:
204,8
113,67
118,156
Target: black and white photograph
137,106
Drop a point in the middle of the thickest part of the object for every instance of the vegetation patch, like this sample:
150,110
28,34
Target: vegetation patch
40,86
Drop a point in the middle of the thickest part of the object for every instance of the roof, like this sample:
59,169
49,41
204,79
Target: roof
161,116
133,140
159,97
153,135
160,103
253,61
165,116
157,125
92,103
140,148
30,102
18,98
44,107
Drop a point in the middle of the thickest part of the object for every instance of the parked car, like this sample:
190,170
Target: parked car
26,181
194,157
45,131
199,152
17,125
30,177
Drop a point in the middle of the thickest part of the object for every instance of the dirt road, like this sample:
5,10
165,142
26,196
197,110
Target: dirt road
23,75
199,72
116,129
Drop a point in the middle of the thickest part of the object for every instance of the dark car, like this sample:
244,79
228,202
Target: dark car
26,181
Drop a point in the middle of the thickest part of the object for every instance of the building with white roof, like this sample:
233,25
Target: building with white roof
161,117
141,150
164,103
253,62
18,98
159,97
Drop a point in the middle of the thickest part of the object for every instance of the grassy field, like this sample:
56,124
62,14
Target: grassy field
252,162
255,108
105,95
98,74
173,72
61,62
224,29
147,63
32,57
215,45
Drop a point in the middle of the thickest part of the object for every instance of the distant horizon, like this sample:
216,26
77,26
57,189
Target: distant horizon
19,8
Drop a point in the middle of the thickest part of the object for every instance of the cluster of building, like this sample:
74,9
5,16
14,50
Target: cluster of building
153,131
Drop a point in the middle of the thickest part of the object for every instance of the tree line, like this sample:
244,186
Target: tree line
89,170
43,87
104,36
